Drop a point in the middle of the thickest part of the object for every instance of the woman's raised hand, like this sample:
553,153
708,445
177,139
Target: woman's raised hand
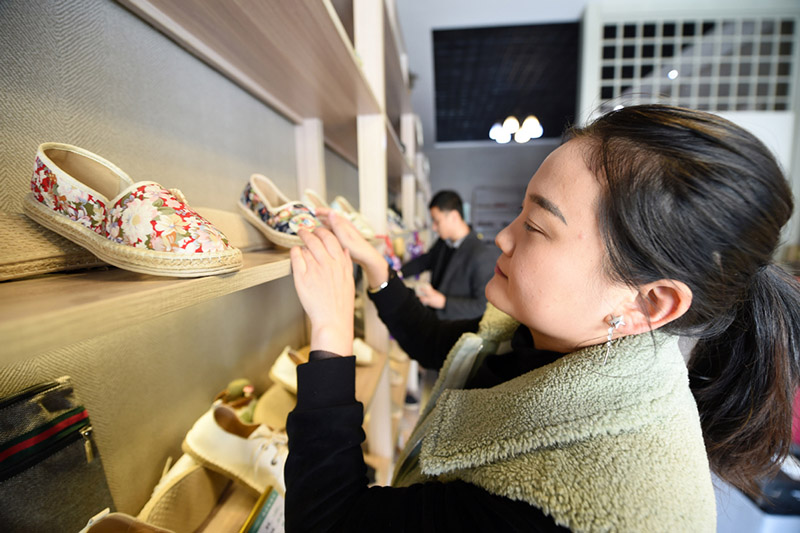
323,278
362,252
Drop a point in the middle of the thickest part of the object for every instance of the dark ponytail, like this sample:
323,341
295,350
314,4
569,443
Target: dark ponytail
690,196
744,380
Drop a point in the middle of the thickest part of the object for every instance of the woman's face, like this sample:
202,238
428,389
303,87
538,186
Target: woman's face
549,276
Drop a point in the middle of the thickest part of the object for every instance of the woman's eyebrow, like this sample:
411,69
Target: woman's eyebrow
546,204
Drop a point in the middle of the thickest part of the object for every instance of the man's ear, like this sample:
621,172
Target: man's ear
657,303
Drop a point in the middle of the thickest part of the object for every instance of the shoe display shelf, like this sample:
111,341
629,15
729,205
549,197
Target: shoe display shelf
62,302
236,502
299,58
337,70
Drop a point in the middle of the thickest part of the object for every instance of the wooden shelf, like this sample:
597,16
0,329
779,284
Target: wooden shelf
55,310
293,55
398,96
367,378
396,161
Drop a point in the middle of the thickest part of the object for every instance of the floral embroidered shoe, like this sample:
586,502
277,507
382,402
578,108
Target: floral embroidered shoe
341,204
277,217
252,454
140,226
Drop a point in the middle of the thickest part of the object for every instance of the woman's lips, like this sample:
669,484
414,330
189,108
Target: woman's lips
499,272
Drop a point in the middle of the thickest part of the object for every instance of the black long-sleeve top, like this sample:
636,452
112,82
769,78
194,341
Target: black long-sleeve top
325,473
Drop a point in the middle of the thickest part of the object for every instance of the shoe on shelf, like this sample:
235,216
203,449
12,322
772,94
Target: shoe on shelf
395,222
341,205
273,407
184,497
363,352
139,226
251,454
314,200
240,395
284,369
271,211
108,522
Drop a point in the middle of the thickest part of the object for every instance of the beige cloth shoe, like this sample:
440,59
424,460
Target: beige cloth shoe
184,497
106,522
341,204
139,226
251,454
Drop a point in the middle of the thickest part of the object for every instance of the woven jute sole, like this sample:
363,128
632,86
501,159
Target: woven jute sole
134,259
186,501
275,236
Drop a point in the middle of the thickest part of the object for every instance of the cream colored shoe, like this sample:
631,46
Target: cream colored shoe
313,199
106,522
251,454
341,204
184,497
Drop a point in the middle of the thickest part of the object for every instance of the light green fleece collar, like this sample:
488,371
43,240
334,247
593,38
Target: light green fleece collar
574,398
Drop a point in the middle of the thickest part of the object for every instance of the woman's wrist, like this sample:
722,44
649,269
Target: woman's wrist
376,272
334,339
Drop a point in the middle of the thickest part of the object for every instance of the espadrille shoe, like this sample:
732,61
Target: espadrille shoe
184,497
140,226
341,204
253,455
313,199
271,211
108,522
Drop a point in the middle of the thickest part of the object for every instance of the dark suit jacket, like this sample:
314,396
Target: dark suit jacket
465,277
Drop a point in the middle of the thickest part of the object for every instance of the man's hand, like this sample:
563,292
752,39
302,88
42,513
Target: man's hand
431,297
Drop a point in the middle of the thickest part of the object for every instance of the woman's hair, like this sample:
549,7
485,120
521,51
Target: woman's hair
692,197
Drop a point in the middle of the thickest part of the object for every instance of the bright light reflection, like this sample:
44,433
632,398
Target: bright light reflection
672,74
511,125
495,131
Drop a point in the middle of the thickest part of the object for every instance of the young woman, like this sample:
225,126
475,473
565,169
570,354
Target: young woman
651,222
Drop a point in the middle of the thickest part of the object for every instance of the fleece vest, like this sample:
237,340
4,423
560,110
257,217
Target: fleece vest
598,447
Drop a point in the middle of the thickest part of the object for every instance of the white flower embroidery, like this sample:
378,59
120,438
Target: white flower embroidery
137,220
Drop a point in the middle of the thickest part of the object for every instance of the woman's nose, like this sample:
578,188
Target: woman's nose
505,240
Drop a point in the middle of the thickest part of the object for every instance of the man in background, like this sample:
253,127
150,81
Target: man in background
459,262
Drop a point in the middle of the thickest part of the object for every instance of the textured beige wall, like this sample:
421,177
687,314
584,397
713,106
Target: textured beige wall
341,178
145,385
90,73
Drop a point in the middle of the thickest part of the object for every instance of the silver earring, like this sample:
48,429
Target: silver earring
614,323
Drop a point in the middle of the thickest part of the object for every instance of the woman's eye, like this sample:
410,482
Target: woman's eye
530,228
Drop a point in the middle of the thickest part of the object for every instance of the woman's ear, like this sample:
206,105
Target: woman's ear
657,303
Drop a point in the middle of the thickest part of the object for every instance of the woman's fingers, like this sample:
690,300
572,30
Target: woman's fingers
330,242
298,263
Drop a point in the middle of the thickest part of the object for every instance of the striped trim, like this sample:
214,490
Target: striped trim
43,437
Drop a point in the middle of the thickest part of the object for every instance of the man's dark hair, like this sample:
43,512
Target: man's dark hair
447,201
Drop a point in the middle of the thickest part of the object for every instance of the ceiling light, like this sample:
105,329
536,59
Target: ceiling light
672,74
495,130
532,127
511,125
522,136
530,123
503,137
